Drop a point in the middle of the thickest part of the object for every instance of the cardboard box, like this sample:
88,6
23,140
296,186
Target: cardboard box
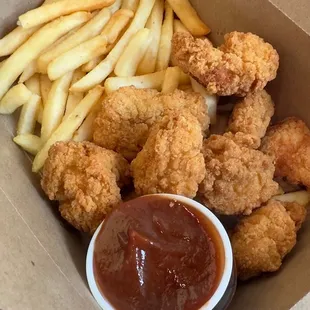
42,260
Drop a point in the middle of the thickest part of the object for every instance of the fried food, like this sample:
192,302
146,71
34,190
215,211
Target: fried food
252,115
238,179
171,160
243,64
289,143
261,241
86,180
126,116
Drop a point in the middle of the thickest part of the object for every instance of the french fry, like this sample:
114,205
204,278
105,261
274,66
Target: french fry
28,142
171,80
48,12
301,197
17,96
66,129
133,53
115,6
32,48
45,87
189,17
86,32
102,71
130,5
92,64
79,55
33,84
179,27
40,113
148,63
29,71
165,45
74,98
55,106
28,115
85,132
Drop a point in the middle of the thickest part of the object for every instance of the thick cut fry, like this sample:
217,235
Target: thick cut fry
66,129
130,5
301,197
29,143
154,23
51,11
133,53
179,27
85,132
171,80
102,71
17,96
86,32
74,97
31,49
28,115
92,64
165,45
115,6
33,84
76,57
55,106
189,17
45,87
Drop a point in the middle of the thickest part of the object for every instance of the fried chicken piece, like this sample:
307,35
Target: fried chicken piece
252,115
243,64
86,180
171,160
289,143
238,179
126,116
261,240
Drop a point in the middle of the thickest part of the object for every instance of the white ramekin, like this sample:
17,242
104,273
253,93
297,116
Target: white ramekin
228,262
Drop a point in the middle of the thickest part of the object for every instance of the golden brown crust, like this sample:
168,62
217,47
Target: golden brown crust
85,179
171,160
297,213
244,63
289,143
126,116
238,179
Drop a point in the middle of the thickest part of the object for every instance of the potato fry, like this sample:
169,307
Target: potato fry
165,45
102,71
74,98
45,87
79,55
17,96
130,5
40,113
28,115
92,64
171,80
301,197
133,53
29,71
85,132
189,17
66,129
33,84
115,6
54,109
28,142
48,12
179,27
154,23
32,48
86,32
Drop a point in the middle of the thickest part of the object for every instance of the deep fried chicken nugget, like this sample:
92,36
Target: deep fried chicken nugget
126,116
289,143
171,160
261,241
85,179
244,63
238,179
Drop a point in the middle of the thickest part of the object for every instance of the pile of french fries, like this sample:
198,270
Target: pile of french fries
67,54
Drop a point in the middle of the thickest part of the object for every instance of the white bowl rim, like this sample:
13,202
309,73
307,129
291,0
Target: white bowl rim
228,263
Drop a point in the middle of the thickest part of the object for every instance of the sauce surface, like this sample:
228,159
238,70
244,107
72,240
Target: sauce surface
156,253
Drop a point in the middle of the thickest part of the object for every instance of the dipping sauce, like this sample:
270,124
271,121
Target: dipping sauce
157,253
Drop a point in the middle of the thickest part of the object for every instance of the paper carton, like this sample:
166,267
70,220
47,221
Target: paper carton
42,260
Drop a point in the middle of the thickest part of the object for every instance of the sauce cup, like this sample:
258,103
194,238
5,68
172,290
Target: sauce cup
225,289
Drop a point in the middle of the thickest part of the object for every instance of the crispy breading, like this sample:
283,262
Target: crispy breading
126,116
289,143
244,63
86,180
261,240
238,179
171,160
